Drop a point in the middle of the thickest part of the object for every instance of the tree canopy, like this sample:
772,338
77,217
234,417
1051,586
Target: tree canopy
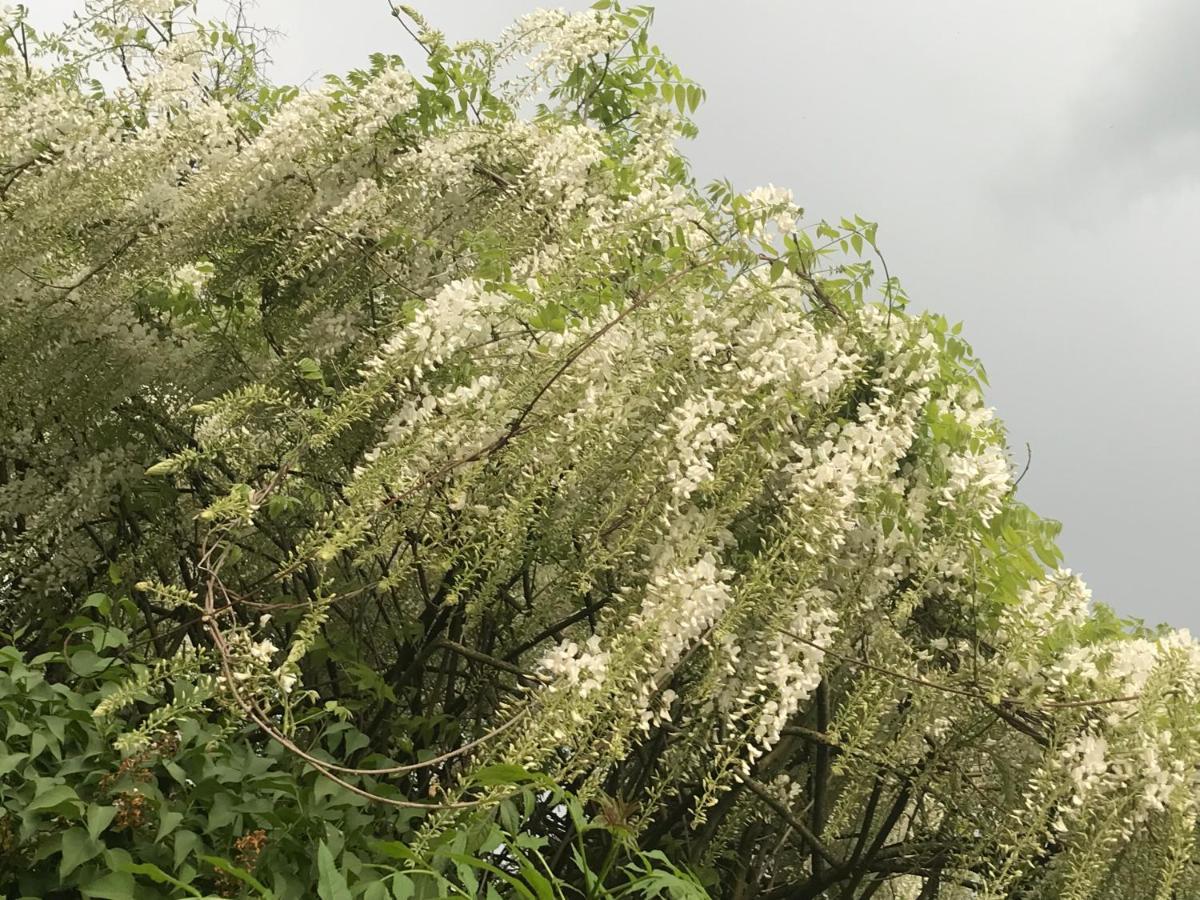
421,486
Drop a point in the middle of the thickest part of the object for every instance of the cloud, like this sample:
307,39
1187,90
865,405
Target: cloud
1135,128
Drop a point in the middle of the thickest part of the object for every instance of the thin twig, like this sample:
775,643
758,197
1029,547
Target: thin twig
962,692
786,814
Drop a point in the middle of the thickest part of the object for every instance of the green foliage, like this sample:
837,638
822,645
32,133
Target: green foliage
206,812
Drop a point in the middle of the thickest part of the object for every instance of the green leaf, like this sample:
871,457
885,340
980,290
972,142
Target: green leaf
472,862
502,773
99,818
222,811
54,797
310,369
186,843
551,317
538,881
157,875
113,886
278,504
395,850
100,602
37,744
168,822
9,762
108,638
86,662
331,884
402,887
77,848
240,874
1047,553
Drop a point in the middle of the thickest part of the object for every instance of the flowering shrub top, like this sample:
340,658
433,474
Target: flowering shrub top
498,436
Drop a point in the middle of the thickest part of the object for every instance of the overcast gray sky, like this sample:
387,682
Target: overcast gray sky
1035,169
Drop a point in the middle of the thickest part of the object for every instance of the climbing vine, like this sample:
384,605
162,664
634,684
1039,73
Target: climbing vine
518,516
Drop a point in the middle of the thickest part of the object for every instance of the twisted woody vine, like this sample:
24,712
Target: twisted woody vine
419,485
